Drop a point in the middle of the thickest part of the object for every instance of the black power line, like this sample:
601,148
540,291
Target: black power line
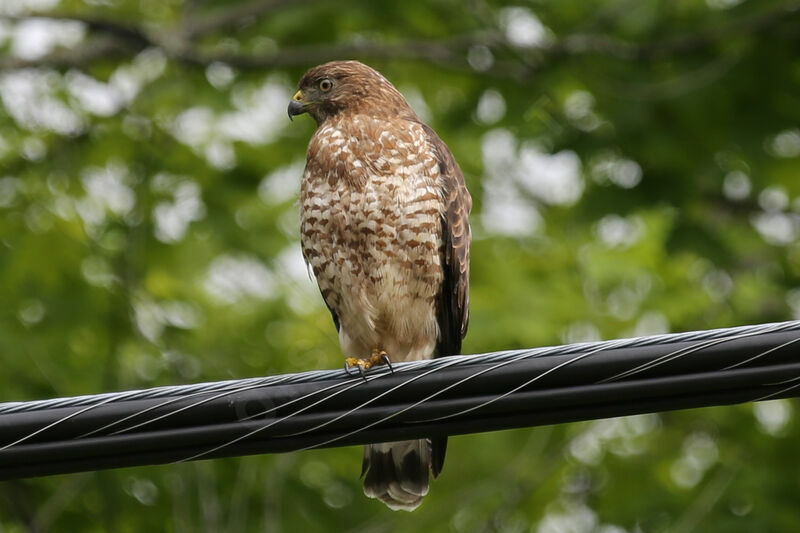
447,396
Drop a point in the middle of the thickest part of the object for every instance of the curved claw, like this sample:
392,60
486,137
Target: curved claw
388,362
349,372
347,369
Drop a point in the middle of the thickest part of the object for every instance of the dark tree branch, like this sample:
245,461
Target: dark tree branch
78,58
510,62
232,16
450,53
127,33
607,45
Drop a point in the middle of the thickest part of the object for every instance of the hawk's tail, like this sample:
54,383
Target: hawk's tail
397,472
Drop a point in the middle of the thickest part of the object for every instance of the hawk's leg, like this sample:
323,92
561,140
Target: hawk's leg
378,357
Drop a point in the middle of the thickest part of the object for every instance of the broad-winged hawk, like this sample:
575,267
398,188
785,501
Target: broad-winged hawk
384,226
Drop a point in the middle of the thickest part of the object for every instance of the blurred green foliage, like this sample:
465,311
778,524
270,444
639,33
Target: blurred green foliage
634,166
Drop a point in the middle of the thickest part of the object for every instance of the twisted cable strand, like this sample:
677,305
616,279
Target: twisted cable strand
310,418
314,376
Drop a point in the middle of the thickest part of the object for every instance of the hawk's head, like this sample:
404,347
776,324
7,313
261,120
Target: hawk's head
346,86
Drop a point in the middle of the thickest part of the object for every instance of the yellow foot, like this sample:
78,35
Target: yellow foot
378,357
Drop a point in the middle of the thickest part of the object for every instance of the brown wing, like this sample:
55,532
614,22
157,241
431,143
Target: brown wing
452,311
310,251
453,301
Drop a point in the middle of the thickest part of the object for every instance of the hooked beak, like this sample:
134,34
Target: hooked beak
297,106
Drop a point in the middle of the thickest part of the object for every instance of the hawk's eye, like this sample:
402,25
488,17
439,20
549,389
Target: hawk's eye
325,85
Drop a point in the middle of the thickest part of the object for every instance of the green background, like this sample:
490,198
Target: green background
634,167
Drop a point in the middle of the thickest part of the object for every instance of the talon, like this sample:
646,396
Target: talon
365,364
347,368
360,364
378,357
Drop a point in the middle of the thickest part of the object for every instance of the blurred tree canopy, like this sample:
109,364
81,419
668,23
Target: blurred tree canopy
635,168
